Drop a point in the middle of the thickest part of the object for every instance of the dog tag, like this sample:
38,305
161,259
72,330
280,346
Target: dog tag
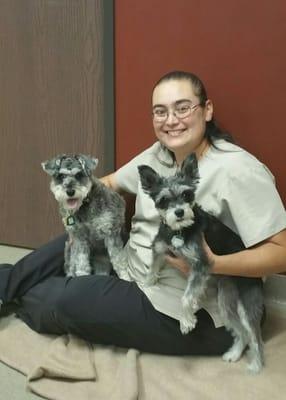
177,241
69,221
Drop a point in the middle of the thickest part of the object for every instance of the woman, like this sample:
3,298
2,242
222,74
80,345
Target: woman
234,186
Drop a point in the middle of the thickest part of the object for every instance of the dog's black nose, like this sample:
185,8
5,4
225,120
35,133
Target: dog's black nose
179,212
70,192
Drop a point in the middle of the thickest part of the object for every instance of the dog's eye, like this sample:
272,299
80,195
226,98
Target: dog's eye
59,177
188,196
163,202
79,175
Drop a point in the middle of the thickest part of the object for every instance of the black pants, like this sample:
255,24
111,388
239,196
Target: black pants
100,309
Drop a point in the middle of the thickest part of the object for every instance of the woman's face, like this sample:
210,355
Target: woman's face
182,135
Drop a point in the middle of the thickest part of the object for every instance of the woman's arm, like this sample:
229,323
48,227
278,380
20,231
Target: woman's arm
110,181
265,258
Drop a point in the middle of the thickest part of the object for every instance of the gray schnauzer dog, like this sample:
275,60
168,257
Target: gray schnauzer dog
93,216
182,225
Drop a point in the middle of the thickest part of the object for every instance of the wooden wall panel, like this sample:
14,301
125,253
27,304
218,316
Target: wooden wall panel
52,85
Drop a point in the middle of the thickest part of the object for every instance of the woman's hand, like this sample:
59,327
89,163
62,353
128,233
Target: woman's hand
181,264
212,257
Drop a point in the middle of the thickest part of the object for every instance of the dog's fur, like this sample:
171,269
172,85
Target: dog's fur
183,223
93,215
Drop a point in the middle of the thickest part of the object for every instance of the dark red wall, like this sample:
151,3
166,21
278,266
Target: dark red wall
237,47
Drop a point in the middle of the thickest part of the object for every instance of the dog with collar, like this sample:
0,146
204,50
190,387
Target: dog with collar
182,225
92,213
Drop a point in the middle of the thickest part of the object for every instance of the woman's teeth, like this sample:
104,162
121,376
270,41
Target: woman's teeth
175,132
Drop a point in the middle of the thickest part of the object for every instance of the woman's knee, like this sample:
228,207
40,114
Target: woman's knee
37,308
95,300
78,299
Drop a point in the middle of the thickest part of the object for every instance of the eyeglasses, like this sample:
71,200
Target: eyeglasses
181,111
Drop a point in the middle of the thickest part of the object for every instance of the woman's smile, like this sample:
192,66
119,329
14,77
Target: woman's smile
175,132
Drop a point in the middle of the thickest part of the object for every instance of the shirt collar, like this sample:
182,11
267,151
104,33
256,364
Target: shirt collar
165,156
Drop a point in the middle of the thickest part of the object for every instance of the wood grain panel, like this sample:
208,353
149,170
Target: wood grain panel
52,101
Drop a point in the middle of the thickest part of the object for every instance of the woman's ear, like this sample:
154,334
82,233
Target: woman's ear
209,110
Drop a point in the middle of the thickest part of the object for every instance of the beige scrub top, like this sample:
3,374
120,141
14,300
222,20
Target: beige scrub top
234,186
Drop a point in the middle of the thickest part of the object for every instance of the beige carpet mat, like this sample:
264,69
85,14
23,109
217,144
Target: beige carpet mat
67,368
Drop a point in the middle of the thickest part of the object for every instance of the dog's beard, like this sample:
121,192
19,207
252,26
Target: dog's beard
176,223
69,203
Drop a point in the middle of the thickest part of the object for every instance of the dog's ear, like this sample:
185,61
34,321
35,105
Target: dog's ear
53,165
190,169
150,180
88,163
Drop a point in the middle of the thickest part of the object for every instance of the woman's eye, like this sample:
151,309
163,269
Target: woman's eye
159,112
183,109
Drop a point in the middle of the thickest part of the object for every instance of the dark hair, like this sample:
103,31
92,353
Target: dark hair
213,131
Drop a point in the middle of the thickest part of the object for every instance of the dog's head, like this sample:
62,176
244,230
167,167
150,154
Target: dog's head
71,178
174,196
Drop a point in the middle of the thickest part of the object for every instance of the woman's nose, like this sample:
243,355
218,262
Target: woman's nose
171,119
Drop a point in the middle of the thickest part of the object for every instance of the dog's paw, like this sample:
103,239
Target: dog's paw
254,367
82,273
255,362
232,355
195,305
187,325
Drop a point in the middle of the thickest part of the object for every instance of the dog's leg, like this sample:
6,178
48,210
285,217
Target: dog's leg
99,260
194,254
228,299
79,258
255,343
154,270
234,353
196,287
115,248
251,312
159,248
67,266
255,353
244,323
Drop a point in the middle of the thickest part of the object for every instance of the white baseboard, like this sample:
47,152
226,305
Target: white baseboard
275,294
275,287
